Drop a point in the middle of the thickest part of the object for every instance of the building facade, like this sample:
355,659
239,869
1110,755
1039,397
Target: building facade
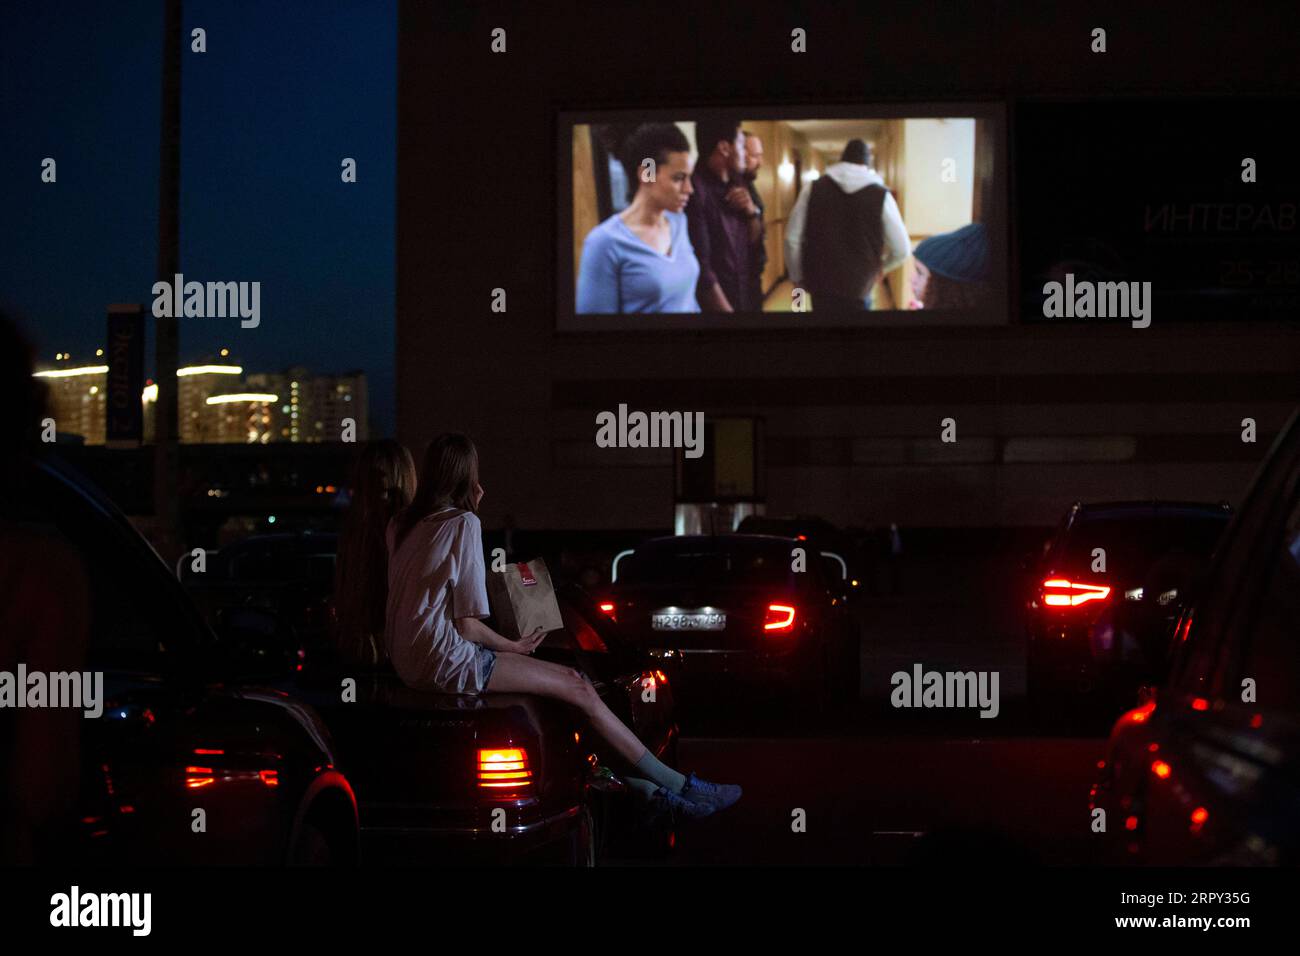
219,403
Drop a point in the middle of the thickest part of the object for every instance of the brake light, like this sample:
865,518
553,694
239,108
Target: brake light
1139,715
196,777
504,772
1059,592
609,609
780,617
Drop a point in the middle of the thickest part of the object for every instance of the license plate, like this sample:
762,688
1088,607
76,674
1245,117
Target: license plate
688,621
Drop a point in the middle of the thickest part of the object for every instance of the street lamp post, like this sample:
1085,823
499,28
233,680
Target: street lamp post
166,342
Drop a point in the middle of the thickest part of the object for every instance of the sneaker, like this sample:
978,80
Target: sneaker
718,796
673,805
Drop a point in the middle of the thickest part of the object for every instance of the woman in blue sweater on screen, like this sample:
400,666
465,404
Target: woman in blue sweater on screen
640,260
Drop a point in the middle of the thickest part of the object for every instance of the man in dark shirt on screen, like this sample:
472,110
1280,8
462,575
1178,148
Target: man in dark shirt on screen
753,163
722,233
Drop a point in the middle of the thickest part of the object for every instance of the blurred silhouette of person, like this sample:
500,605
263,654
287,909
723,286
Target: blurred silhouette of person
952,269
753,163
869,556
723,219
895,559
383,483
844,232
592,577
45,615
640,260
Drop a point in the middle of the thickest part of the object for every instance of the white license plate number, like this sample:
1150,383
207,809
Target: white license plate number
688,621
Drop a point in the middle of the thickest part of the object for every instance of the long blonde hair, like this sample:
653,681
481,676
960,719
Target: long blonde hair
383,483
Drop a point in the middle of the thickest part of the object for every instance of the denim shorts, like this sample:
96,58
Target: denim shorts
484,660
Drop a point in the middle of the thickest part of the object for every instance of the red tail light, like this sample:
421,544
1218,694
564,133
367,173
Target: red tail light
196,777
503,772
779,618
609,609
1059,592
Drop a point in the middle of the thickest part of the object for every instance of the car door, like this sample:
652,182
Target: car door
1222,784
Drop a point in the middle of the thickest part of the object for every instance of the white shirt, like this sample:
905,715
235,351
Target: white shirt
850,177
434,577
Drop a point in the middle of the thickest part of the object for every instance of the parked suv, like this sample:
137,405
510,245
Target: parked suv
1107,588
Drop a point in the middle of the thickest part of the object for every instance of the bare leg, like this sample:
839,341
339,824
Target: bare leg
518,674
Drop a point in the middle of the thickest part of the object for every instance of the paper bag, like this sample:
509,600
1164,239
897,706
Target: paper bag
523,599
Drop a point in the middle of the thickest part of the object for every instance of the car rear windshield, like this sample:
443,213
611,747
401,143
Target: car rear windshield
1134,544
733,562
785,527
277,564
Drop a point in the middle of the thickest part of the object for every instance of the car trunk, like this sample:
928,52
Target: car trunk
405,750
672,615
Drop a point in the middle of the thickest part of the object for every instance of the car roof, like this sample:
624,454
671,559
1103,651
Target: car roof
700,540
787,519
1145,509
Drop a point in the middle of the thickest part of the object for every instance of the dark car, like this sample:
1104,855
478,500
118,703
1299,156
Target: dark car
840,546
1207,770
1109,585
440,777
192,761
757,609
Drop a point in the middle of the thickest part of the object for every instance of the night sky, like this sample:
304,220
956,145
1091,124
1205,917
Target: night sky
284,92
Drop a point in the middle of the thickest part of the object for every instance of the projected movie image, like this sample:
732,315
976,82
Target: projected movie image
793,220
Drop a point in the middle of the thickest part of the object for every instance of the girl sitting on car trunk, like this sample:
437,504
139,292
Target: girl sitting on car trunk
436,639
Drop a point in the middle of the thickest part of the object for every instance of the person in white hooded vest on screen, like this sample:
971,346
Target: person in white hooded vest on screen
844,232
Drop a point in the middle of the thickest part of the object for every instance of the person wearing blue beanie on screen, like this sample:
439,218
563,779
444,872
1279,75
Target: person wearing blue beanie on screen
953,270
